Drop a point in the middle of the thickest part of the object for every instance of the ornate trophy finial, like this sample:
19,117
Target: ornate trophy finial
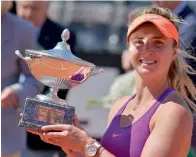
65,35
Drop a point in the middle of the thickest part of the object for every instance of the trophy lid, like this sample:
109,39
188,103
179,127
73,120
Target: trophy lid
60,51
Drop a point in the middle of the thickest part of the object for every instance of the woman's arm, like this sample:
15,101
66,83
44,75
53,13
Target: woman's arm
171,135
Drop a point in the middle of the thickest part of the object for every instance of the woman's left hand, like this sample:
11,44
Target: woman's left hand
66,136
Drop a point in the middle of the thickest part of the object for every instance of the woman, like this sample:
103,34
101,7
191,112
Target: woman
156,121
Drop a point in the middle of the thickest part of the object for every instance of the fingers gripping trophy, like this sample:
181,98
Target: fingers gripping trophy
57,68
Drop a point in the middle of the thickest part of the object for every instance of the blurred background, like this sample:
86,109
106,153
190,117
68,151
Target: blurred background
100,27
98,34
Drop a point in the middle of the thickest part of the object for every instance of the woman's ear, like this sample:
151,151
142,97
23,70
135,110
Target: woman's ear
174,53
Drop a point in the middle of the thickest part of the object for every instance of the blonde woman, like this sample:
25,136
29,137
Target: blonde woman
154,122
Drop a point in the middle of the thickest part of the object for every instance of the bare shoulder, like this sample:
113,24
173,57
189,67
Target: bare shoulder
175,110
116,107
176,103
172,125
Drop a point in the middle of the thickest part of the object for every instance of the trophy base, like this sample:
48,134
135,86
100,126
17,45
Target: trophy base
38,113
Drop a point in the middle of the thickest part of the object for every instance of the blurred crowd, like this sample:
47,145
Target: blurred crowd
96,29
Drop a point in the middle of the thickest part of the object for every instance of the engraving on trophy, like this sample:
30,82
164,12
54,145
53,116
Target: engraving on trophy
48,115
39,113
56,68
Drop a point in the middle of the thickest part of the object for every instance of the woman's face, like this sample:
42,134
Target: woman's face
151,52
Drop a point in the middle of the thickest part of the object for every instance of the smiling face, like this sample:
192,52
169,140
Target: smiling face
151,52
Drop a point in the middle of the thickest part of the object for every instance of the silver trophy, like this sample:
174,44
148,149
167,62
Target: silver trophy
57,68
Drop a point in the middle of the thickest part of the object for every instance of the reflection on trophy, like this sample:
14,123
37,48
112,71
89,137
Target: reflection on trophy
57,68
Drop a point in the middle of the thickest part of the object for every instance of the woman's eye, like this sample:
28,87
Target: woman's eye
158,43
138,43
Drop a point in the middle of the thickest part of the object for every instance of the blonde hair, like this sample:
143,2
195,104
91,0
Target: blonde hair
179,69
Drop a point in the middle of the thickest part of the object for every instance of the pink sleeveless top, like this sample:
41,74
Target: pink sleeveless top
129,141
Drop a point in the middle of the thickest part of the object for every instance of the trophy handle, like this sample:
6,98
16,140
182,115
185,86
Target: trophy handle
17,52
93,73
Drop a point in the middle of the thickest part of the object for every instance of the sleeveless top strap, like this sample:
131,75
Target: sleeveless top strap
157,103
155,106
124,105
165,94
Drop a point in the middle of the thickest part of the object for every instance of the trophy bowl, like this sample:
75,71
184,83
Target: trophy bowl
58,69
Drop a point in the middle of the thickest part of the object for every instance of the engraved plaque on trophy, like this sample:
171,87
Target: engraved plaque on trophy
57,68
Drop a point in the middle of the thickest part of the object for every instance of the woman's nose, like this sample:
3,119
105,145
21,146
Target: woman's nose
146,49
